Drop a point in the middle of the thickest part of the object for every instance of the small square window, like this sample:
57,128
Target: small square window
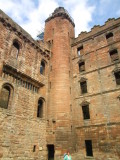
114,55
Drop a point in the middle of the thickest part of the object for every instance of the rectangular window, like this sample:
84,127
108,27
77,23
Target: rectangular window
83,87
81,66
86,114
117,77
80,50
88,144
114,55
109,37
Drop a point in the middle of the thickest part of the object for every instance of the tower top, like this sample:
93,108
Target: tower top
60,12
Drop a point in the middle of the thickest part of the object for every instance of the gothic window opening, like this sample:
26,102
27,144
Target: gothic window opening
5,96
40,109
81,66
42,68
83,86
80,50
15,49
88,145
114,55
117,77
85,110
109,36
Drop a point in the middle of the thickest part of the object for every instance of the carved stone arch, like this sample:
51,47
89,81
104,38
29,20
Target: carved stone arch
6,95
84,103
82,79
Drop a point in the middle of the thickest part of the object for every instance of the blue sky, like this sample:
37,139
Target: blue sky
31,14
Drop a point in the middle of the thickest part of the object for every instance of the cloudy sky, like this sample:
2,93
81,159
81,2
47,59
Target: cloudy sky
31,14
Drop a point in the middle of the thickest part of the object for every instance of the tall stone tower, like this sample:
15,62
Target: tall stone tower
59,30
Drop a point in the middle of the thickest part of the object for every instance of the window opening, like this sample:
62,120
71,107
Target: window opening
117,77
34,148
88,144
42,68
86,114
114,55
40,109
83,87
80,50
109,36
5,97
81,66
15,49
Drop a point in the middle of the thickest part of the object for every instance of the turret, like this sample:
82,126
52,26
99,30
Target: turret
59,29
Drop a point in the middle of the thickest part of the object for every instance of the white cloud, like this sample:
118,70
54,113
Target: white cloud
32,17
81,13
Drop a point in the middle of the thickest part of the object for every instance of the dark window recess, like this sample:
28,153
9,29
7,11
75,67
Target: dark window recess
114,55
42,68
83,87
80,50
4,97
109,36
15,50
117,77
81,66
86,114
40,109
34,148
88,144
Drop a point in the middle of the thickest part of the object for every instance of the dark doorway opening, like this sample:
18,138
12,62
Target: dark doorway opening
50,152
88,144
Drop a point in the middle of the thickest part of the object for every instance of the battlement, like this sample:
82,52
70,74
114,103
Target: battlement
111,23
61,12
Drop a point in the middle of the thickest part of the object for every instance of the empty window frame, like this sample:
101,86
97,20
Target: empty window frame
42,68
86,113
5,96
81,66
15,49
117,77
109,36
83,86
40,109
88,145
114,55
80,50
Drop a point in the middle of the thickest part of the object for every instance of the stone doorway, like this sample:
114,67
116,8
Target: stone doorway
50,151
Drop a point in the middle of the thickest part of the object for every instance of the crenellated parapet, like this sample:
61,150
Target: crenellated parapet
20,32
97,30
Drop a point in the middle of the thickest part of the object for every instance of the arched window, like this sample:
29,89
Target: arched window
40,108
42,67
5,96
15,49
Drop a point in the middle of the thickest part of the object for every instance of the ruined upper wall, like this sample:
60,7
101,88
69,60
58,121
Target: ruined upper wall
61,12
9,23
97,30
